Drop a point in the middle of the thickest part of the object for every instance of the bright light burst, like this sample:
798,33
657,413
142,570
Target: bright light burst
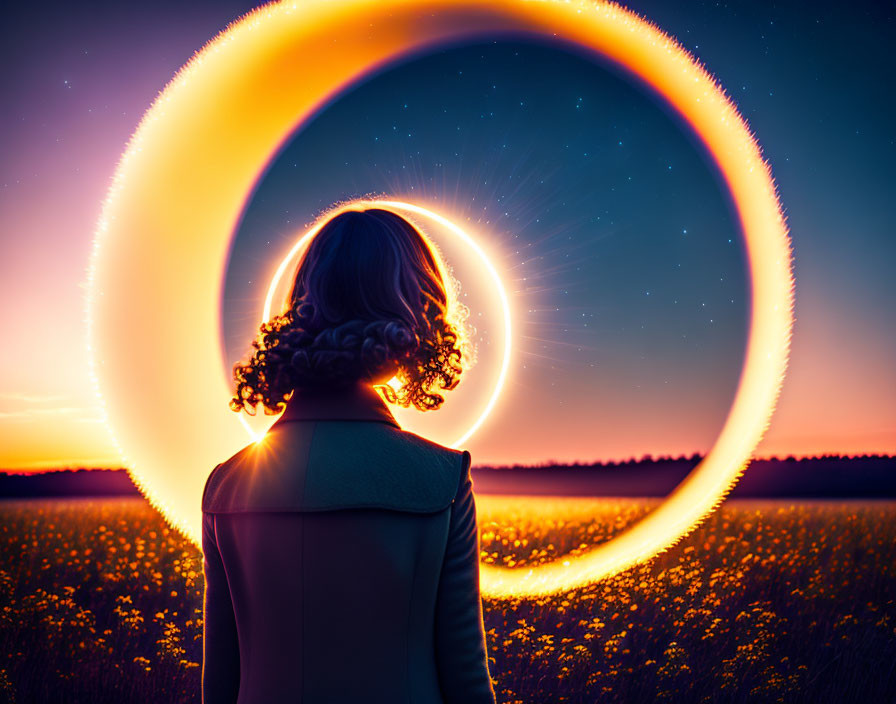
164,236
289,261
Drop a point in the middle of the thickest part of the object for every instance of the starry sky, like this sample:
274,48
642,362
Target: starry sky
606,218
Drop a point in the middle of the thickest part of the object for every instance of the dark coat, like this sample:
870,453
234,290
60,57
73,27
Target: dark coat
342,564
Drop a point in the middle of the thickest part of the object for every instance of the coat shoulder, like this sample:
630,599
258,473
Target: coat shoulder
332,465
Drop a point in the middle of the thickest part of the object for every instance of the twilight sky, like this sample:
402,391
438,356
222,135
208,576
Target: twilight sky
607,220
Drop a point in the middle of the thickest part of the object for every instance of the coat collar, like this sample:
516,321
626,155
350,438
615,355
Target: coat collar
360,401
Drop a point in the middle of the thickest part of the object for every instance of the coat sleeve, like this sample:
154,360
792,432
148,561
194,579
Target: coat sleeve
461,655
220,646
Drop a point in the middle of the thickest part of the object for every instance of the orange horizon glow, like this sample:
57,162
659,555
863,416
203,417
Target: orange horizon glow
812,419
45,468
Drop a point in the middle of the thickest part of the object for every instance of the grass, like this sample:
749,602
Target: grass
767,601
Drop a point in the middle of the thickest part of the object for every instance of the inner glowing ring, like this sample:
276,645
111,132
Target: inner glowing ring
164,237
455,230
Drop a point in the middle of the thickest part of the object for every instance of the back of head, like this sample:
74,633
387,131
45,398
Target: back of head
368,303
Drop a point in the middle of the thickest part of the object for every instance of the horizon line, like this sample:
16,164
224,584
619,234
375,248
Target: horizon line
647,457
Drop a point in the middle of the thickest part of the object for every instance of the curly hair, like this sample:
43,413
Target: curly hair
368,299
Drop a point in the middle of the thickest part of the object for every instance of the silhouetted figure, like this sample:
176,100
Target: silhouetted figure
341,552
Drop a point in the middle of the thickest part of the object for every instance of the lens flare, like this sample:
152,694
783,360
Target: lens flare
164,236
290,260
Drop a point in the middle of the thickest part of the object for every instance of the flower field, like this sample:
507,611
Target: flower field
767,601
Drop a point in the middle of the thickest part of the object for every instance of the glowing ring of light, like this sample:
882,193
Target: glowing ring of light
457,232
163,238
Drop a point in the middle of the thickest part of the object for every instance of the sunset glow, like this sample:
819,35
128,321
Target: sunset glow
157,271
